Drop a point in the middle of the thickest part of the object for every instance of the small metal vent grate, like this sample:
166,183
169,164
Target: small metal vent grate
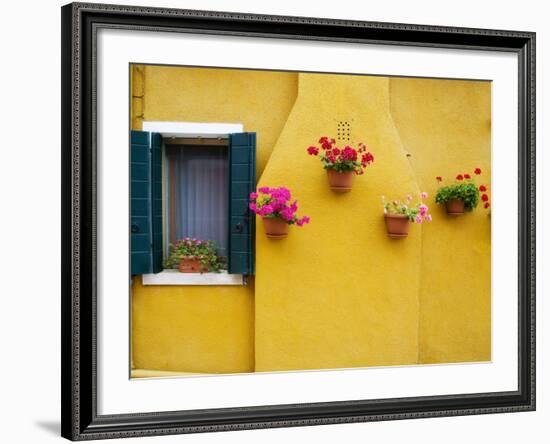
343,131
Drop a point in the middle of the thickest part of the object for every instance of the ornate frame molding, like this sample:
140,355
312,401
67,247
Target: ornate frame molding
80,22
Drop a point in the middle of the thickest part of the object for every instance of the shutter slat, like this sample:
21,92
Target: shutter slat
156,201
242,181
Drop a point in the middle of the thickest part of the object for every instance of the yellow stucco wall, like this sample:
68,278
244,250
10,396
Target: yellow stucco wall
446,127
192,328
338,292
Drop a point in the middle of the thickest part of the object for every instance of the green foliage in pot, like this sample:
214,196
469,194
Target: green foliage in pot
464,188
205,251
465,191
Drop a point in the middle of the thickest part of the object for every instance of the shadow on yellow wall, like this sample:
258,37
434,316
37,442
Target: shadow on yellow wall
338,292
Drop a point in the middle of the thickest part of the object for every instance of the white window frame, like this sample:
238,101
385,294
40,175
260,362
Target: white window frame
192,130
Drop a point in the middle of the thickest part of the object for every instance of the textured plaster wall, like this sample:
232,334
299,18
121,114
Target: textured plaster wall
338,292
193,328
446,127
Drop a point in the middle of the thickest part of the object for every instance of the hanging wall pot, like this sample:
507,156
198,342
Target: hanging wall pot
277,210
462,195
399,214
342,164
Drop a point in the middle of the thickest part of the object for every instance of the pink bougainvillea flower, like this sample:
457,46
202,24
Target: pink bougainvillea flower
302,221
287,214
276,202
477,171
418,219
428,217
424,195
482,188
423,209
266,209
484,197
253,195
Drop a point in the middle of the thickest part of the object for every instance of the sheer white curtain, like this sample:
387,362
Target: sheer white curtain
200,192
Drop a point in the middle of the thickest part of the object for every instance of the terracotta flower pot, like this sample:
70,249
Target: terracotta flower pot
340,182
275,228
397,225
455,207
191,264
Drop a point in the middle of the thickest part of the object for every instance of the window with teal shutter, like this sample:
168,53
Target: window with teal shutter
237,231
242,223
145,203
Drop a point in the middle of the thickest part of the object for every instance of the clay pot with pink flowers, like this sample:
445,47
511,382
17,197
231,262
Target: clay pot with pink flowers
277,209
399,214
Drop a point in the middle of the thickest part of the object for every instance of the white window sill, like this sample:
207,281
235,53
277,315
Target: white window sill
174,277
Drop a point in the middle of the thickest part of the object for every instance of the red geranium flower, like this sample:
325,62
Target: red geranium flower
466,176
484,197
459,177
482,188
487,205
477,171
313,150
439,178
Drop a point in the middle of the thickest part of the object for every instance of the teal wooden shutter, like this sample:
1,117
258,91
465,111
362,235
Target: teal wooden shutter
242,222
145,203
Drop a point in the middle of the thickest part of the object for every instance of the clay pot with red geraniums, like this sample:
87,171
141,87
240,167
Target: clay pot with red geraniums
341,164
455,207
277,210
399,214
340,181
463,194
192,255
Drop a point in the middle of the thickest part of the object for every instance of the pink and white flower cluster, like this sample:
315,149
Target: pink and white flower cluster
276,202
416,213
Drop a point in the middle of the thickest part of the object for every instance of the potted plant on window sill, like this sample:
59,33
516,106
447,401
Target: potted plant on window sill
462,195
192,255
398,215
341,164
277,211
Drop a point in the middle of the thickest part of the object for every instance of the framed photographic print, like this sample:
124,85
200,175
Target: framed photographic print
280,221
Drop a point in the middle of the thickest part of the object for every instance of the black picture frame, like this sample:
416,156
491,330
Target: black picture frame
80,420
